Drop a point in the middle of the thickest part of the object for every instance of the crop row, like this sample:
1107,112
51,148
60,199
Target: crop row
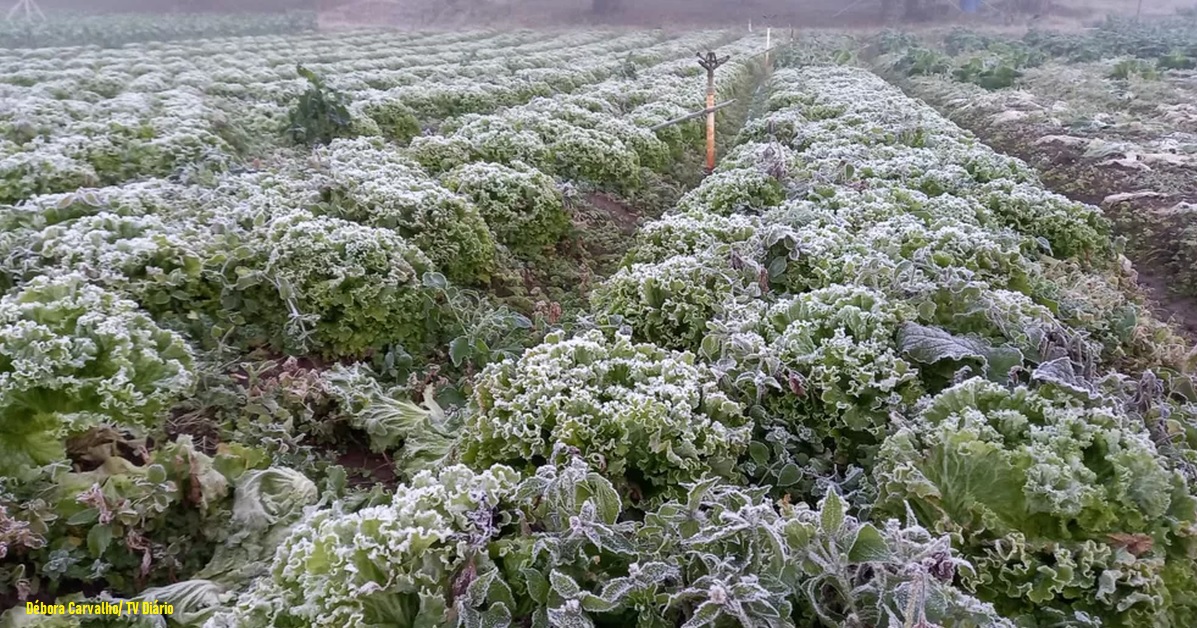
1115,131
255,67
863,308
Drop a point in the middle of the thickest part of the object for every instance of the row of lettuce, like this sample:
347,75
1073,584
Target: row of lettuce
261,247
122,305
23,30
187,111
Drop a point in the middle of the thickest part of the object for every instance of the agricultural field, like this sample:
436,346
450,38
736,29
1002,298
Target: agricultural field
452,329
1108,116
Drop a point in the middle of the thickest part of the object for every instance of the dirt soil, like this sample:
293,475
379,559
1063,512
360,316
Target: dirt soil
369,467
627,220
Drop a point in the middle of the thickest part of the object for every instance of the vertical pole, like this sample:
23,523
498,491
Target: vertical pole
750,25
709,63
1139,10
710,120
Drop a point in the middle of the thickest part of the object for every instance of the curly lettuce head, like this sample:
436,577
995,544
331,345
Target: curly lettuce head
595,156
743,191
521,205
1053,500
72,356
1069,228
842,365
381,188
670,302
690,233
641,413
354,287
383,564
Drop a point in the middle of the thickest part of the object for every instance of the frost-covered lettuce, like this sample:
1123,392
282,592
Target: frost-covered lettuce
900,254
859,252
767,157
689,233
597,157
826,375
146,258
1065,509
744,191
382,565
652,152
646,416
379,187
166,516
1071,229
521,205
670,302
346,286
461,548
438,153
74,356
557,138
127,523
682,271
842,369
861,141
44,171
393,119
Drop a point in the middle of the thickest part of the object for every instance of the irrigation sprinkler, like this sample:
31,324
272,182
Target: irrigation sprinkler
709,63
28,7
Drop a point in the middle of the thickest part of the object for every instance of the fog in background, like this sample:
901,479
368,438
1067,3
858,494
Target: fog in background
781,14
